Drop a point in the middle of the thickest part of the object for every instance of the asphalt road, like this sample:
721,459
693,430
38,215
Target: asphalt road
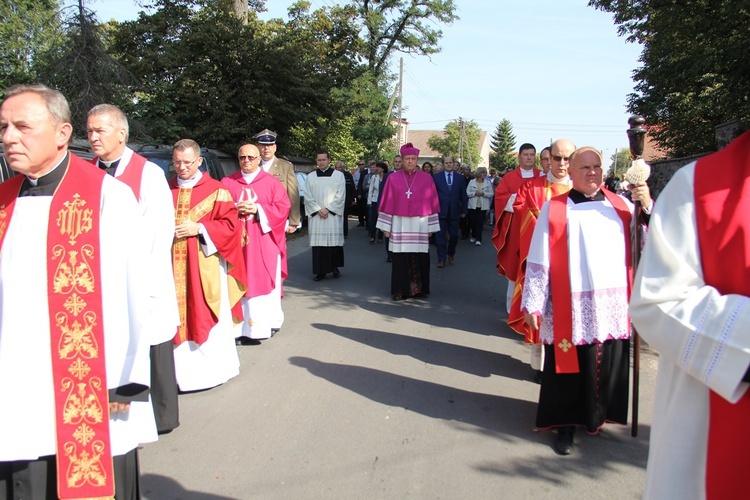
360,397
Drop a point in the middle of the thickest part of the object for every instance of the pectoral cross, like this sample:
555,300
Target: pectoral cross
408,193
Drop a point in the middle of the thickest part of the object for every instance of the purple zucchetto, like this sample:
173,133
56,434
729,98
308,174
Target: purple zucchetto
408,149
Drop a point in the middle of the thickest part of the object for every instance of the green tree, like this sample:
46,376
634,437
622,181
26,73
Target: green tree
621,160
401,26
448,144
28,29
503,143
82,69
694,73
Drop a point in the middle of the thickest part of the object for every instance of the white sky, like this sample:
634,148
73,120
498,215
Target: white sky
554,68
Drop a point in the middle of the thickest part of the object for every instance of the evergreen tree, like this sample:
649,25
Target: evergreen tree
503,144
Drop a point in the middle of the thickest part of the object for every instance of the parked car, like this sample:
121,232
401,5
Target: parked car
216,164
79,147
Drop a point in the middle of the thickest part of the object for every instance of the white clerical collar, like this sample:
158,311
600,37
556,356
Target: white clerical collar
250,177
528,174
34,182
266,165
189,183
555,180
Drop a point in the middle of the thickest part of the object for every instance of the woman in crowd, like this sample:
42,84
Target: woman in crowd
427,167
480,192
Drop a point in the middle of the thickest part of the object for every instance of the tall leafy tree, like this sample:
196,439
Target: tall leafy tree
28,29
694,73
406,26
448,144
82,69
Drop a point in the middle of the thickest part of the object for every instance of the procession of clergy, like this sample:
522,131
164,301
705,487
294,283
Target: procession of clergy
151,283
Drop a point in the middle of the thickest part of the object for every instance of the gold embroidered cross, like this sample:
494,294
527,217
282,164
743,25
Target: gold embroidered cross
564,345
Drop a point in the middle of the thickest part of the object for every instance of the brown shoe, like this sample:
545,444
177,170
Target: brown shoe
441,264
451,260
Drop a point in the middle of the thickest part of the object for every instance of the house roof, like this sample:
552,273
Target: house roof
419,139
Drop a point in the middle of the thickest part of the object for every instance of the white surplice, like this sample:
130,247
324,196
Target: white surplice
157,233
598,283
328,193
702,337
27,422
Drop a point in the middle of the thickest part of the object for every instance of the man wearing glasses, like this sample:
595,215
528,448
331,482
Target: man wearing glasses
283,171
527,207
209,272
506,234
545,158
263,208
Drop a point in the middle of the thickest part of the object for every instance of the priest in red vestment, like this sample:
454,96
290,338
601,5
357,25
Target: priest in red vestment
74,314
691,302
532,195
209,273
505,236
107,129
263,208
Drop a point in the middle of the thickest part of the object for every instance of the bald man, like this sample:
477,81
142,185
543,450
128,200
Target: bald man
578,252
527,205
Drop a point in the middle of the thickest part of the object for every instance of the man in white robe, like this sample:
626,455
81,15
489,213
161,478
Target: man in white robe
107,129
585,374
325,200
35,125
700,326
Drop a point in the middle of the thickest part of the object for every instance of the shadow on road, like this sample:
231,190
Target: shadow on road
156,487
501,415
458,357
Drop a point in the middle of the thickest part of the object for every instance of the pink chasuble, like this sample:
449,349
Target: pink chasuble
261,250
409,195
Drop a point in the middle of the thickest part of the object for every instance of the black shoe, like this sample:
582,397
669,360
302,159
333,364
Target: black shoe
537,376
319,277
336,272
398,297
274,331
246,341
389,259
564,444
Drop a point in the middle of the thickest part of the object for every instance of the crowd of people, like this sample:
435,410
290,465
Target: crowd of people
151,283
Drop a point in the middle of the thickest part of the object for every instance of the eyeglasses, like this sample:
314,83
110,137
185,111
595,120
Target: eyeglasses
560,158
248,158
185,163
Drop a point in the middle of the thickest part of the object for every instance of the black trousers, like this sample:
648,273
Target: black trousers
37,479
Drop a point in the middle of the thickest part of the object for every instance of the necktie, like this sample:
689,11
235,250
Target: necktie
450,179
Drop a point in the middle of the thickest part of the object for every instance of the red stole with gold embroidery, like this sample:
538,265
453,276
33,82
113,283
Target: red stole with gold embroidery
722,204
84,454
566,355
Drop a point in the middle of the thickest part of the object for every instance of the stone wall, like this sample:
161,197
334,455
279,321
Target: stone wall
663,170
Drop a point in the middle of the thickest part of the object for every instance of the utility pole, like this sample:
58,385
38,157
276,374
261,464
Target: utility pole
460,140
401,138
616,151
